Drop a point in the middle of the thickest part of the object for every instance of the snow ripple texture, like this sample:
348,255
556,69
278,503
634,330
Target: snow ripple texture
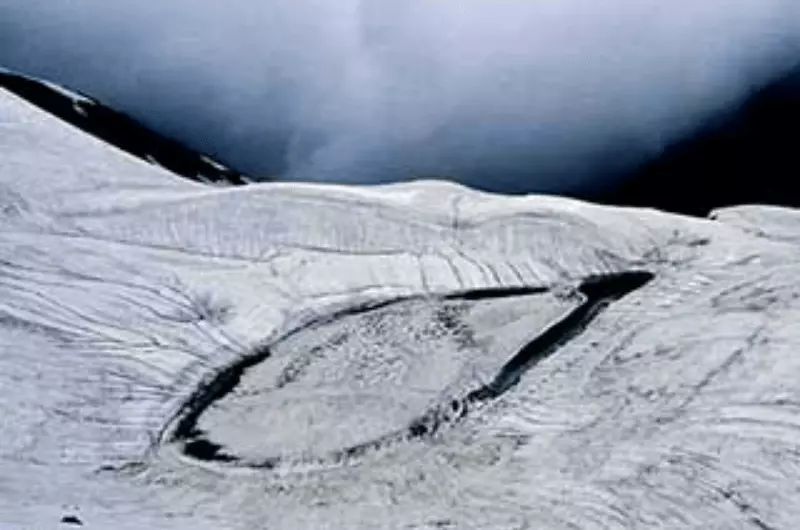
345,313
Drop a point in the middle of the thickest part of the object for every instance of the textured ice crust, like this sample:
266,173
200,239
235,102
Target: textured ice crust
341,315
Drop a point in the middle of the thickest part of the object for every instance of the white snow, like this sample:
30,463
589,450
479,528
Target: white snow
123,289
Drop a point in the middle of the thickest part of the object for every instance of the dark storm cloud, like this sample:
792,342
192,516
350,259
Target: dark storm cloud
506,94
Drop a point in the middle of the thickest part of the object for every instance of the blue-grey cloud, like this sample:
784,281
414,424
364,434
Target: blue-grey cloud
545,95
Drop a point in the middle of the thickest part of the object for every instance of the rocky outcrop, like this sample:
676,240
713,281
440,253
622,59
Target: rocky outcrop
409,356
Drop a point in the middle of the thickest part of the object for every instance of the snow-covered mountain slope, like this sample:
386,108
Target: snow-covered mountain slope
410,356
118,129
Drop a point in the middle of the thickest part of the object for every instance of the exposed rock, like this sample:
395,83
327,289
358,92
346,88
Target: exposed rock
179,356
71,520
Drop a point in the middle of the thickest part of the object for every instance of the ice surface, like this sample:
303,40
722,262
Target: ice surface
129,296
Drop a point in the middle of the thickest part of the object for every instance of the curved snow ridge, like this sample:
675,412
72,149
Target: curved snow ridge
242,223
770,222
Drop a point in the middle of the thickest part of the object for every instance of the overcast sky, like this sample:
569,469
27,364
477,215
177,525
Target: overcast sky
544,95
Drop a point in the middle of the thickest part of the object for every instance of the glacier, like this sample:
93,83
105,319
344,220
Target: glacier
282,355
